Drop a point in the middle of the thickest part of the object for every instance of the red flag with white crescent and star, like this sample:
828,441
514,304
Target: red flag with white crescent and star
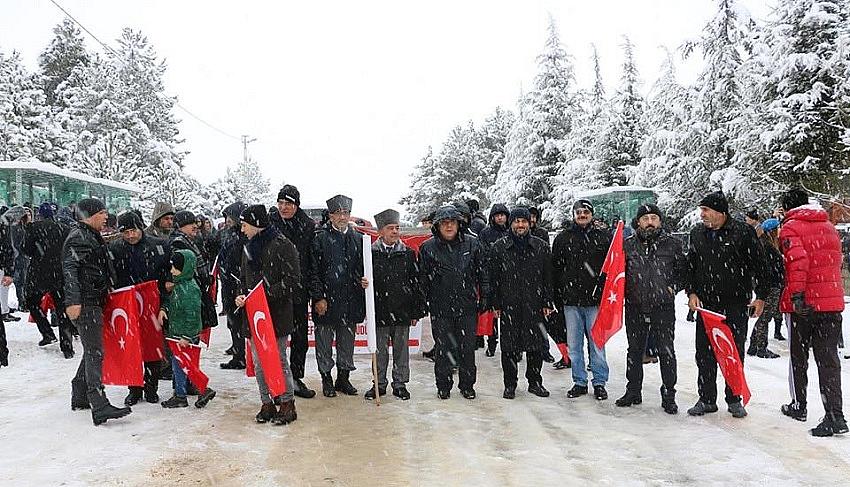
189,358
214,281
147,296
122,348
609,319
263,338
723,343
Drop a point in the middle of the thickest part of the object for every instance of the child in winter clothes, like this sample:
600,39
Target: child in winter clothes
182,309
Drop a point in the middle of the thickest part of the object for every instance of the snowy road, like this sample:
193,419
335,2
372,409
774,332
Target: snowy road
348,441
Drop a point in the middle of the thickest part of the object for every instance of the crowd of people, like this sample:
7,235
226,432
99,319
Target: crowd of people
503,265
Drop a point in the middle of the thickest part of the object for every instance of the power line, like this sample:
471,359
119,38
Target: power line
118,57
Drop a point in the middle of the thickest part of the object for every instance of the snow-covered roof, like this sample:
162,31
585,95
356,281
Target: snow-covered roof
44,167
610,190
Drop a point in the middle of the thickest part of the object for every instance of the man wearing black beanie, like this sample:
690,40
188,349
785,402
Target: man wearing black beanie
299,228
726,263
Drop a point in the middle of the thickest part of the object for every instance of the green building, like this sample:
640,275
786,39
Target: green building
38,182
617,201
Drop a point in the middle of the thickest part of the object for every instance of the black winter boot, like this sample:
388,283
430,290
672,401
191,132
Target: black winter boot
301,390
668,401
538,390
133,398
370,394
794,411
108,412
328,385
175,402
510,393
286,414
577,391
205,398
266,413
629,399
701,408
401,393
343,385
830,425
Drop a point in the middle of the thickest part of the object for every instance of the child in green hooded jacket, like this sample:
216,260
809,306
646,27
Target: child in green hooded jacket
182,309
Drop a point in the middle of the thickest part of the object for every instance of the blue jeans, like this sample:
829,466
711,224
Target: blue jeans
579,320
179,378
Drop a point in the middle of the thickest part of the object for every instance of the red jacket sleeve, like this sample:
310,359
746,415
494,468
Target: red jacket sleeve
796,259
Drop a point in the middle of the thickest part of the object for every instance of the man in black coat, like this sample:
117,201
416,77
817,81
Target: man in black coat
232,242
537,230
271,258
300,229
183,237
336,288
138,258
577,256
453,270
42,244
399,302
725,263
477,221
86,271
7,267
496,229
655,271
521,280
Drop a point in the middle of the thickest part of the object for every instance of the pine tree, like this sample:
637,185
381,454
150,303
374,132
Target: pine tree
65,52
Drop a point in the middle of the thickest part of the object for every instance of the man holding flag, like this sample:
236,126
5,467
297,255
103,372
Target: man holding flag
725,264
578,253
655,272
139,258
271,260
85,267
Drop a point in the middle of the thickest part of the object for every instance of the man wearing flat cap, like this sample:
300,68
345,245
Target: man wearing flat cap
272,259
336,289
300,229
399,302
85,267
725,264
655,272
137,258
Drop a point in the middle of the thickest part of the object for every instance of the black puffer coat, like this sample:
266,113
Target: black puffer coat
452,274
85,267
270,257
493,232
655,271
521,273
43,245
336,268
398,292
577,257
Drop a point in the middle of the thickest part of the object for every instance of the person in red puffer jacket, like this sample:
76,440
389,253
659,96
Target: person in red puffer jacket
814,295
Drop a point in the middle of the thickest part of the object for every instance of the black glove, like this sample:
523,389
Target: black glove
800,306
691,316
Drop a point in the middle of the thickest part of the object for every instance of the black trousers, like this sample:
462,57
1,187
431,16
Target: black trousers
151,379
533,365
4,347
33,304
658,327
454,344
298,339
737,319
821,332
234,324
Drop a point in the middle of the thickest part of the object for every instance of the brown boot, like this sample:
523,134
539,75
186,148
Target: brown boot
286,414
267,413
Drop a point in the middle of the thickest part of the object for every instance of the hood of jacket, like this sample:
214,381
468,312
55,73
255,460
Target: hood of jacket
160,210
810,213
189,264
14,214
497,209
234,210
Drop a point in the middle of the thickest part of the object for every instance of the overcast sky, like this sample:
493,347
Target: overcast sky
345,96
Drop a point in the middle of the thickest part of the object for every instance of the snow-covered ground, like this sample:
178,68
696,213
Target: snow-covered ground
424,441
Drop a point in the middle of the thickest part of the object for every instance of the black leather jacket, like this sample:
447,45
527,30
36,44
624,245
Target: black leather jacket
85,267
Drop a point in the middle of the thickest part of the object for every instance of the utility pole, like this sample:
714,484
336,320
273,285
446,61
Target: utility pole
245,142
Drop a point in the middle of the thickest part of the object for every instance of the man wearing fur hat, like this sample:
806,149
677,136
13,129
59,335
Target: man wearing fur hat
453,272
271,258
399,302
139,258
521,279
162,220
577,256
232,242
336,288
300,229
85,267
655,273
725,264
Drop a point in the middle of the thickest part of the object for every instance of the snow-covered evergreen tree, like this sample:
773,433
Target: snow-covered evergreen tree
65,52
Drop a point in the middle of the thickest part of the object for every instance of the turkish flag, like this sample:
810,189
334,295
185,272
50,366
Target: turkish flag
249,360
205,336
147,296
723,343
264,340
485,323
412,241
609,320
122,348
46,305
189,358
